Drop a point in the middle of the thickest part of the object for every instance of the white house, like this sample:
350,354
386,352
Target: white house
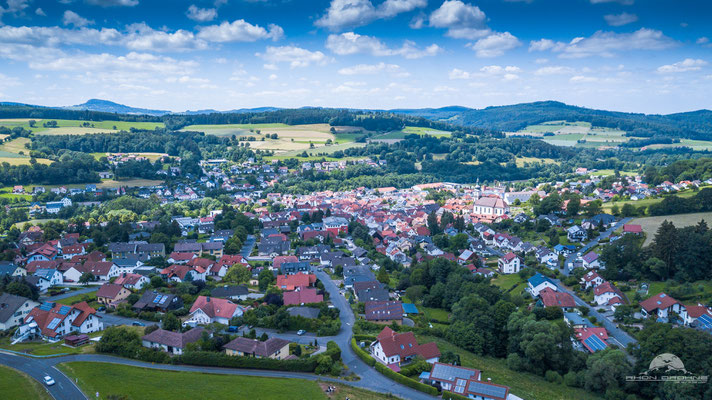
490,206
52,276
590,260
14,309
208,309
171,342
393,348
576,234
604,293
591,279
539,282
661,306
509,264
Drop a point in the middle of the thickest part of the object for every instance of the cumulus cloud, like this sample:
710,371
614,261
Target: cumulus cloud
686,65
620,19
495,45
113,3
352,43
344,14
136,62
606,44
40,12
239,31
372,69
144,38
201,14
463,21
554,70
72,18
506,73
295,56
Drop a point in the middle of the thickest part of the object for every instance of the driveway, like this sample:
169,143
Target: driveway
248,246
113,319
71,293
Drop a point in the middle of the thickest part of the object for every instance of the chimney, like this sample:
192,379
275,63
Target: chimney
207,299
489,380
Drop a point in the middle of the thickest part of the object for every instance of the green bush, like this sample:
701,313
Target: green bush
211,359
553,377
367,338
362,354
404,380
453,396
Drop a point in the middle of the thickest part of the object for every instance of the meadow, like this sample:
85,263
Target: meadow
17,385
146,383
650,224
75,127
14,152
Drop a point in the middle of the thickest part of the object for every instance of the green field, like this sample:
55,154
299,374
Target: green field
14,152
64,126
568,133
16,385
409,130
650,224
531,160
145,383
522,384
646,202
42,348
505,282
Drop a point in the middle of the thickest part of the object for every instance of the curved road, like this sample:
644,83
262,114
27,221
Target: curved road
370,378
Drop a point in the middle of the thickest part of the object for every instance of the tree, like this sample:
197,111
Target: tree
605,370
573,206
86,278
170,322
157,281
433,224
264,337
665,246
628,210
593,208
238,273
383,276
265,278
298,350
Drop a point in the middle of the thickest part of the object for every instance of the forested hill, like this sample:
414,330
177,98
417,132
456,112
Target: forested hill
693,125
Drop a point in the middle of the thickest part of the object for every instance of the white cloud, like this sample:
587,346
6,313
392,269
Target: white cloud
371,69
72,18
554,70
201,14
620,19
273,77
463,21
239,31
40,12
270,67
506,73
606,44
352,43
113,3
109,63
582,79
702,40
688,64
495,45
295,56
344,14
623,2
144,38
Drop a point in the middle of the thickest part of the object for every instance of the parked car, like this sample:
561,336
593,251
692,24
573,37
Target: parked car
102,308
301,332
233,328
138,323
48,380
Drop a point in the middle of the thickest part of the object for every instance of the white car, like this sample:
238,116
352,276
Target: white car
301,332
48,380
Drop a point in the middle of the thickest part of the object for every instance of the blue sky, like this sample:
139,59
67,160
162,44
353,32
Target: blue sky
652,56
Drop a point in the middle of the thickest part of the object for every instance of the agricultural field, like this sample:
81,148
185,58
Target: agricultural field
109,380
646,202
74,127
650,224
43,348
531,160
17,385
409,130
568,133
14,152
525,385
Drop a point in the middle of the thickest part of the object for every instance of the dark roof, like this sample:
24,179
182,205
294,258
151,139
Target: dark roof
383,310
256,347
306,312
9,303
229,291
174,339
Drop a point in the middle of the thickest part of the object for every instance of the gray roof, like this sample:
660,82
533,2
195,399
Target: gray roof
174,339
9,303
7,268
306,312
487,389
229,291
447,372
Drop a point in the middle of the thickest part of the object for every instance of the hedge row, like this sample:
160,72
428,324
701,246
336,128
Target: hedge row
362,354
389,373
453,396
211,359
368,338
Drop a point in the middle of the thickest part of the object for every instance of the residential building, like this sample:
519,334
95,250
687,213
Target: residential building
509,264
111,294
273,347
14,309
395,349
384,312
171,342
206,310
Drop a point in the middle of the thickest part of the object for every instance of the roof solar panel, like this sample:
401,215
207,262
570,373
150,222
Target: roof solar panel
46,306
54,323
163,299
64,310
705,321
486,389
157,298
595,343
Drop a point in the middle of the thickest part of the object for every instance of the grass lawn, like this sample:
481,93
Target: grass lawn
647,202
505,282
63,124
346,391
434,313
81,297
44,348
650,224
525,385
16,385
146,383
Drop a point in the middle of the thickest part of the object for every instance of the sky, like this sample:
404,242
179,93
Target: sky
649,56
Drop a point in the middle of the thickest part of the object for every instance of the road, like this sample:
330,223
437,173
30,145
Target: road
591,244
620,335
71,293
113,319
37,368
248,246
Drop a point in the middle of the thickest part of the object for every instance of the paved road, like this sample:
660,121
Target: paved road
113,319
37,368
591,244
620,335
248,246
71,293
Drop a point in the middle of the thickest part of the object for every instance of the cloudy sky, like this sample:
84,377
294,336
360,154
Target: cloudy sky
652,56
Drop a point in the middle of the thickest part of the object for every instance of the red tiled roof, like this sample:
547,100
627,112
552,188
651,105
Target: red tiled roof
405,345
214,307
291,282
279,260
659,301
109,290
303,295
551,298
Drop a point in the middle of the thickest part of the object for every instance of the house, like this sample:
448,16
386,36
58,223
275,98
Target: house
451,376
207,310
480,390
102,270
509,264
554,298
11,269
384,312
591,279
394,349
144,251
14,309
607,294
112,294
73,250
336,225
132,281
575,320
183,273
370,291
273,246
171,342
39,282
53,276
466,256
661,306
632,229
546,256
490,207
53,320
127,265
603,220
539,282
292,282
288,268
237,292
275,348
699,316
302,295
592,338
46,252
590,260
576,234
154,301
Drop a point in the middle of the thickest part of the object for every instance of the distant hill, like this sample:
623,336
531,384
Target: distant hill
111,107
694,125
